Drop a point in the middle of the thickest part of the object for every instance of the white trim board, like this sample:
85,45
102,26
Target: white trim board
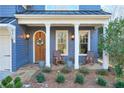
62,19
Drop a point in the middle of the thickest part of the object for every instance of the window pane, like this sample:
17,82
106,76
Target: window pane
83,47
62,48
62,42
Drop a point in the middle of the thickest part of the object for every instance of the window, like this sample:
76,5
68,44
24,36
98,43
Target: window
62,7
62,41
84,42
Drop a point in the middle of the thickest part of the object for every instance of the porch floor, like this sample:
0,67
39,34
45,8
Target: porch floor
93,66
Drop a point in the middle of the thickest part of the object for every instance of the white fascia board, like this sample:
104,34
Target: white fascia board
63,21
60,16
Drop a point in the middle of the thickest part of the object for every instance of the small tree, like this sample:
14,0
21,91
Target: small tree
113,41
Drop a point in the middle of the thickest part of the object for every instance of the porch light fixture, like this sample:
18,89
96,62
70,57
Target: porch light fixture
27,36
72,37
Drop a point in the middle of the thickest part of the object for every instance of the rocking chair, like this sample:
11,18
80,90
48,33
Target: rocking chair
57,58
91,58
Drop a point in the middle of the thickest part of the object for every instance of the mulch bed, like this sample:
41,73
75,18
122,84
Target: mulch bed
90,80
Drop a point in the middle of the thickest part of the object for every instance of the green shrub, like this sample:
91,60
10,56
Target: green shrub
101,81
60,78
79,78
0,86
119,83
18,84
46,69
17,79
65,69
6,81
40,78
118,70
84,70
10,85
102,72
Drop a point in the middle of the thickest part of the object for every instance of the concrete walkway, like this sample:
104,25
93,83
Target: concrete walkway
26,72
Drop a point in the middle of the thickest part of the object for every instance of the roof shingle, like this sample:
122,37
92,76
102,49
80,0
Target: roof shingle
6,19
66,12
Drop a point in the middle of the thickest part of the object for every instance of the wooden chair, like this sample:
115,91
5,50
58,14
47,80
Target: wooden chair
91,58
57,58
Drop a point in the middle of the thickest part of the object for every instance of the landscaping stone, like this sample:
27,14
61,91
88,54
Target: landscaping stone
27,86
26,72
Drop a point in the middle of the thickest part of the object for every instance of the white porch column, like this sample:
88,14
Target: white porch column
47,45
76,31
105,54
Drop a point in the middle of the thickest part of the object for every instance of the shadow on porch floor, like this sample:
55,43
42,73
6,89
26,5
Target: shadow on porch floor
93,66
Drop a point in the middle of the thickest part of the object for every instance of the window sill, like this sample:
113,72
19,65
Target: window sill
82,54
64,54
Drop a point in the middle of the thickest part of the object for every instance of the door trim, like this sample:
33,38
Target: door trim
34,43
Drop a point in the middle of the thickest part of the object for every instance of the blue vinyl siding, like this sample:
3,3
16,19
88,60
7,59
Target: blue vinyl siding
89,7
7,10
20,48
10,10
37,7
94,41
71,7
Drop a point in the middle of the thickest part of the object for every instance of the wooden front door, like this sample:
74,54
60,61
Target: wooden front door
39,47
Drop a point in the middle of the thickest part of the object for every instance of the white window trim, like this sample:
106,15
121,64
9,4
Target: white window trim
57,31
88,42
46,8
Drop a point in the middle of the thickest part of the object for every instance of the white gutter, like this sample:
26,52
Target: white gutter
12,21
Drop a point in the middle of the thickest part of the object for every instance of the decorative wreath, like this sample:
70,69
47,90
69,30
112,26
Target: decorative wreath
40,42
